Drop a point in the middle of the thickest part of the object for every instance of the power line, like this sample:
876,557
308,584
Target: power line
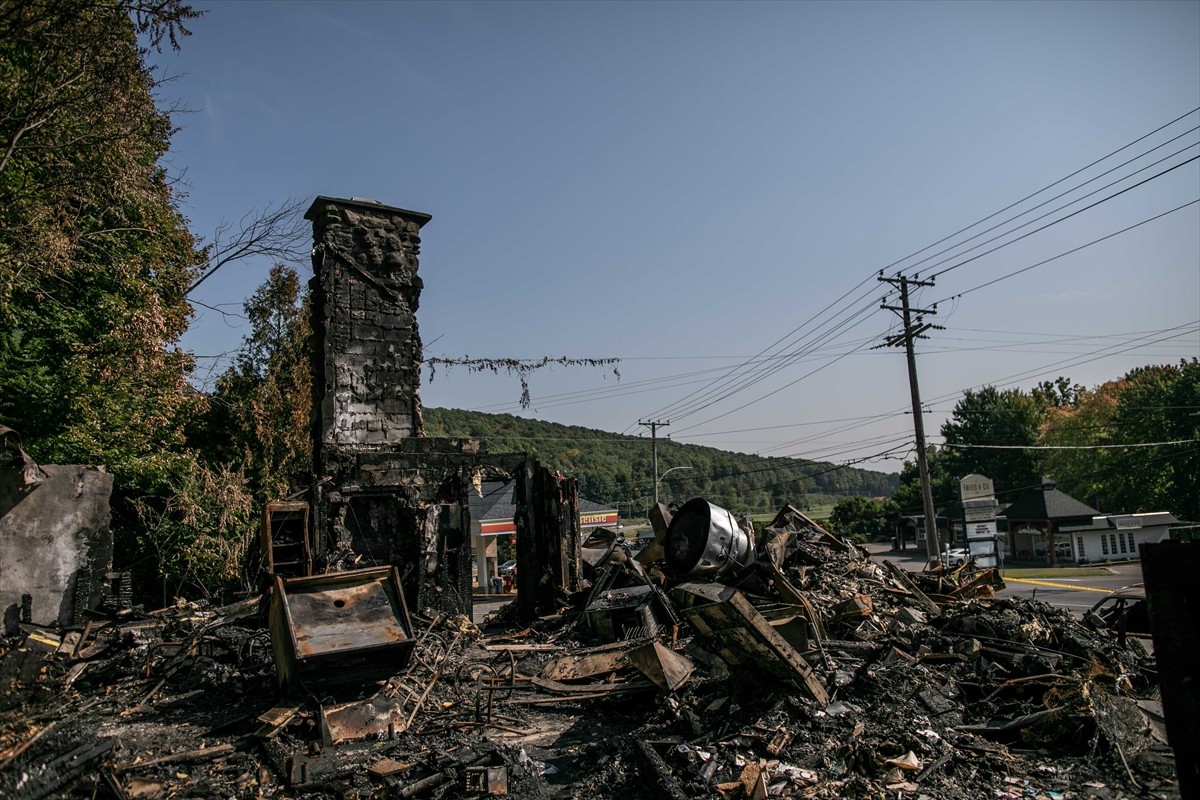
627,388
1069,252
1041,333
679,411
817,437
775,391
1096,472
835,468
833,450
683,408
1048,186
1067,363
1064,446
1045,369
1055,222
1057,196
596,394
1036,372
630,388
677,408
763,374
790,425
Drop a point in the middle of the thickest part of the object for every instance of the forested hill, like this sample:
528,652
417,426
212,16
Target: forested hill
617,469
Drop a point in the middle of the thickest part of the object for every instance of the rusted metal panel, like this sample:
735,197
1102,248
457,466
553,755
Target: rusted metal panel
340,628
375,717
586,663
668,669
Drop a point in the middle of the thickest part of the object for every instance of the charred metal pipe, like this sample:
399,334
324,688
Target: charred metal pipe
704,541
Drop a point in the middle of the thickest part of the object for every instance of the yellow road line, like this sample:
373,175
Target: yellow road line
1056,585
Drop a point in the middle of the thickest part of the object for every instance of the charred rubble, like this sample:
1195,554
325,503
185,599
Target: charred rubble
719,662
716,663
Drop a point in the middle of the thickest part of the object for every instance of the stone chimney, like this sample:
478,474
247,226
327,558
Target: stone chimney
382,492
366,376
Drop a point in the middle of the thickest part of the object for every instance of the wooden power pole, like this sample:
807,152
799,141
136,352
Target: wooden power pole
914,329
654,425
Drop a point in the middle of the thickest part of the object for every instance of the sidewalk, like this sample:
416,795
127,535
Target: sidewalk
484,604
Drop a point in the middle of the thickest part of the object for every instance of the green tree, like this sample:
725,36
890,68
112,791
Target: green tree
907,496
1085,423
95,258
181,526
863,516
1158,404
260,416
95,264
989,416
614,468
1147,405
1059,393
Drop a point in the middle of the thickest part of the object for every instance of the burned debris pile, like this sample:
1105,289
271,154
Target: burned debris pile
716,663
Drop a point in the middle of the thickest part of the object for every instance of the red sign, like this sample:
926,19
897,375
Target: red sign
590,519
598,518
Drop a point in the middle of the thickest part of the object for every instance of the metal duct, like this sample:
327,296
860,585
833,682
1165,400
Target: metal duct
704,541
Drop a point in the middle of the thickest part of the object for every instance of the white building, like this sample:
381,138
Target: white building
1046,524
1117,536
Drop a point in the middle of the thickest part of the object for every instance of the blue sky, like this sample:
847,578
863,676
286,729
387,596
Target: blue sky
680,185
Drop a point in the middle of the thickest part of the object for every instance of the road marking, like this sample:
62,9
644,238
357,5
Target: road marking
1057,585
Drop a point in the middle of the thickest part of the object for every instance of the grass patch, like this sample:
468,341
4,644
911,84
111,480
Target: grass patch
1057,572
818,512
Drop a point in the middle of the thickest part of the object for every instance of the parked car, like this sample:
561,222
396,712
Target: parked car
508,567
956,557
1126,605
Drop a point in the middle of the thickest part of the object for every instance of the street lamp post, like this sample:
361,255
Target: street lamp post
658,480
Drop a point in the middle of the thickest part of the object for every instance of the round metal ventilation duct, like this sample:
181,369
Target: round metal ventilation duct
704,541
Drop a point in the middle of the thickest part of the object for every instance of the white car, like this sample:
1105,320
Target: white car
956,557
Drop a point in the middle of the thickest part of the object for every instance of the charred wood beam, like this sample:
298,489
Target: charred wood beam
203,754
907,583
548,541
660,773
46,780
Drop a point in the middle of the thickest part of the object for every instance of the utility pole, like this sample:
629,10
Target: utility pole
654,425
914,329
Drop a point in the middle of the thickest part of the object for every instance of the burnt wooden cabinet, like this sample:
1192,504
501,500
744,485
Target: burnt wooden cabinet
285,539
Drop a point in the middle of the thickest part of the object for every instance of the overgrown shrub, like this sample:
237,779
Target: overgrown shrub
181,526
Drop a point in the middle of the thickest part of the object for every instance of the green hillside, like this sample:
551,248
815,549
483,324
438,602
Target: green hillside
616,469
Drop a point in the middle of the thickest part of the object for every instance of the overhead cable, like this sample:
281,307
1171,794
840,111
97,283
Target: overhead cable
1044,188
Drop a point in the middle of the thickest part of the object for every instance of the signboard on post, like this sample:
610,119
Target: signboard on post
976,487
982,513
981,530
979,505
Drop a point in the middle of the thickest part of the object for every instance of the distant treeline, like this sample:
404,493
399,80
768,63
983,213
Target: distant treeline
617,470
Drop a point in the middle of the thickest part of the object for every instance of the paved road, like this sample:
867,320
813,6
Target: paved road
486,604
1076,594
